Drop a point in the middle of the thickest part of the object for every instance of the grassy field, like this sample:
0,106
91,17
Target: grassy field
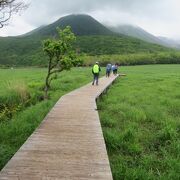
21,105
140,116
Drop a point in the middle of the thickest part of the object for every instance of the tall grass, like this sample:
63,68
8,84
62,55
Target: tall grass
140,117
18,87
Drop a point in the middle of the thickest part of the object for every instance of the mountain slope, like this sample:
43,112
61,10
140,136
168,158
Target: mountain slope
170,42
137,32
92,38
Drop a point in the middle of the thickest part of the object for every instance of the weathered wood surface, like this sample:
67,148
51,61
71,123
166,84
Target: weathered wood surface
68,144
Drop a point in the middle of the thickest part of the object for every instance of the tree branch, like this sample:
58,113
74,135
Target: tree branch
9,7
56,71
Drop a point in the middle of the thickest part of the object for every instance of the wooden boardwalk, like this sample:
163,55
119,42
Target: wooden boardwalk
68,144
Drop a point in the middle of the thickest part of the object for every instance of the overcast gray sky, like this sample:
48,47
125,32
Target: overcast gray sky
159,17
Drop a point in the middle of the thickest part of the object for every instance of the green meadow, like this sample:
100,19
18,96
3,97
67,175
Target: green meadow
21,105
140,117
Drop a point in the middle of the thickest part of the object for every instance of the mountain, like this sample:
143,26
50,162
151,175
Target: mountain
137,32
93,38
80,24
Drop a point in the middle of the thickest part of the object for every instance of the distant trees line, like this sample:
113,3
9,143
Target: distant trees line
135,59
40,60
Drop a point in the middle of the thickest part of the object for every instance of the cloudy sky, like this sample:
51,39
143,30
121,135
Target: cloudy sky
159,17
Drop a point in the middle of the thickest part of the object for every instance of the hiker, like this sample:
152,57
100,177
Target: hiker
95,70
108,70
115,69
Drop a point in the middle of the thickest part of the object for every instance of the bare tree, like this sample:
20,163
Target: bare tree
8,8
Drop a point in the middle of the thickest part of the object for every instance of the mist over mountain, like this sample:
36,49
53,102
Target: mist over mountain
137,32
170,42
83,24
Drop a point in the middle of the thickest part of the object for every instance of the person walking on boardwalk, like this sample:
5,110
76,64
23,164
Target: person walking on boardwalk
115,68
108,70
96,70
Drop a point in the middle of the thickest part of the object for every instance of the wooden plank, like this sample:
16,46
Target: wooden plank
68,144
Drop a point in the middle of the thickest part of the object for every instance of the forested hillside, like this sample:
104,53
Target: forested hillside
92,39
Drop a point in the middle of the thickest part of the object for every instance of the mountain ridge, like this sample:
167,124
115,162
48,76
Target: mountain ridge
83,28
80,25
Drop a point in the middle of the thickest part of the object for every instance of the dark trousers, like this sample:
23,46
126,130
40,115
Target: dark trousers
115,71
95,79
108,73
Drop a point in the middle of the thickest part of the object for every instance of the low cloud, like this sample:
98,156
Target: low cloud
160,17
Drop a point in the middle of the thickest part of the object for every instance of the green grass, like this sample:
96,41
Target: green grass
18,84
140,116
